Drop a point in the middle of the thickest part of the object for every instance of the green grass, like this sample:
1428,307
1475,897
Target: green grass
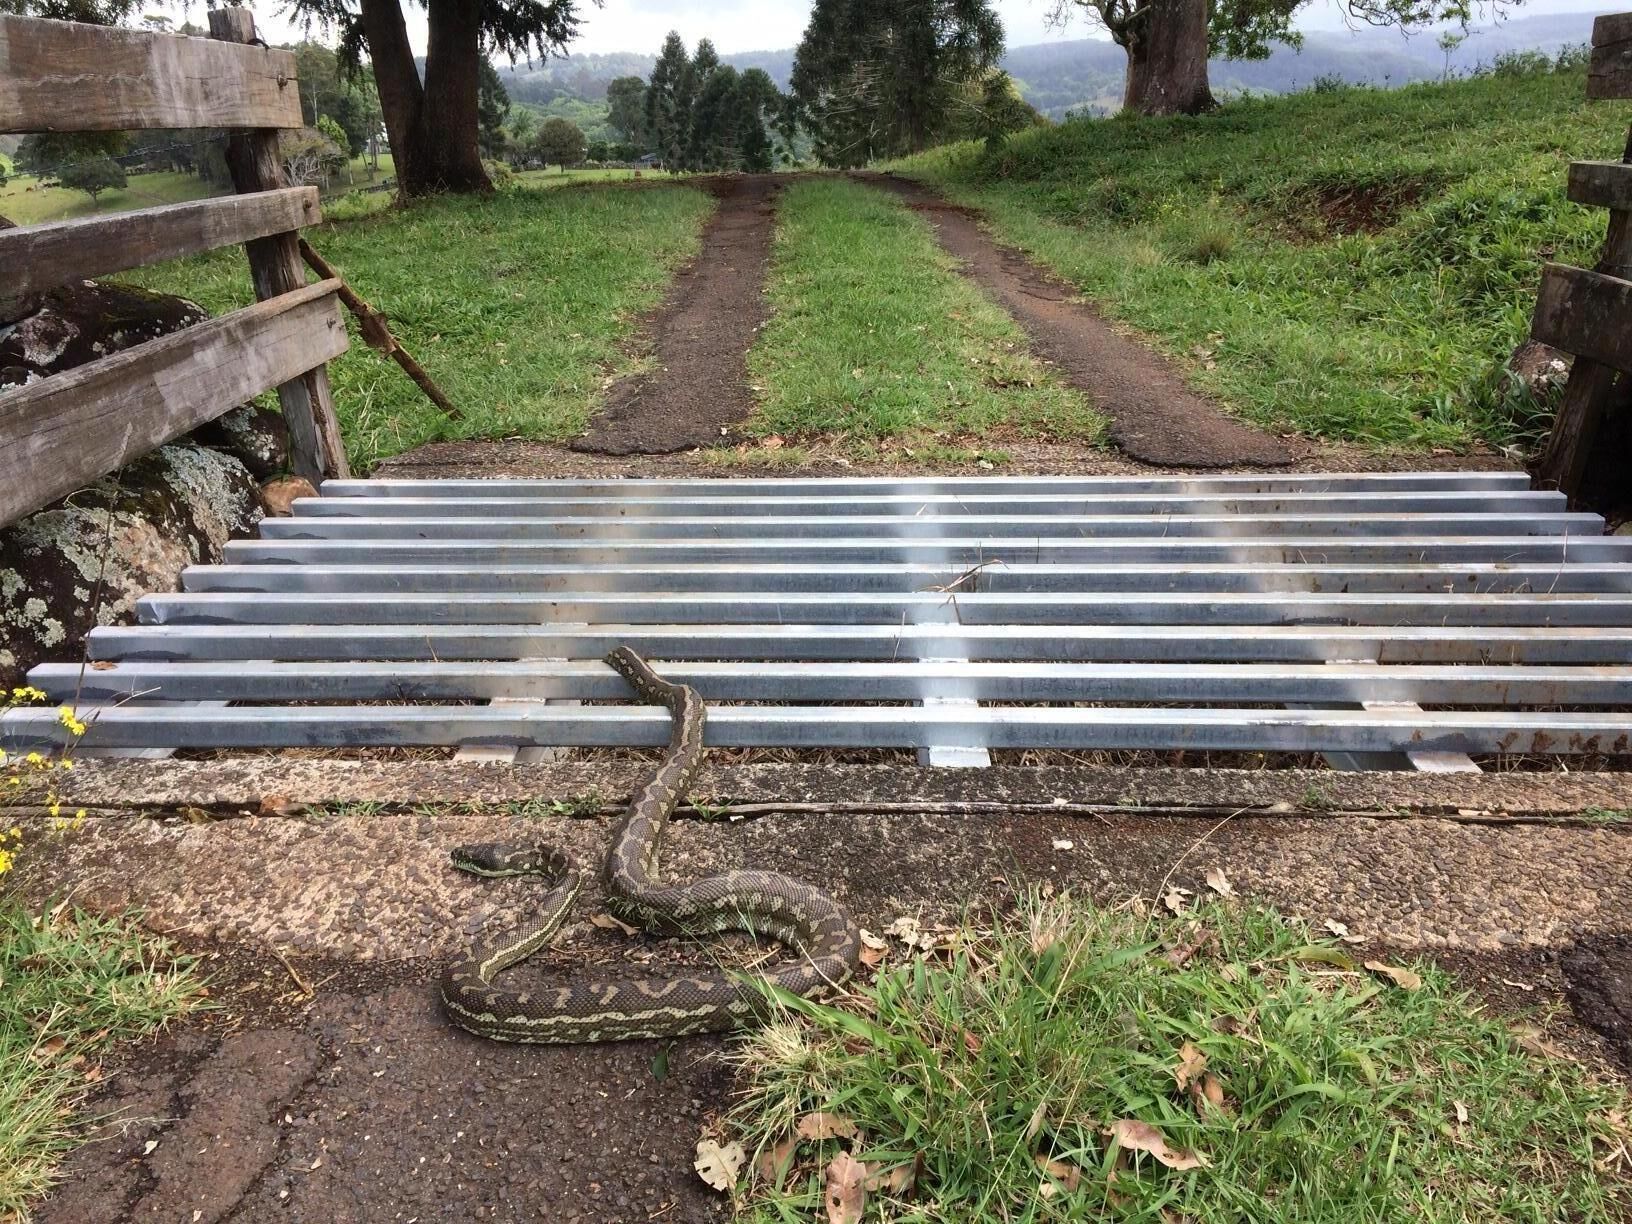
72,985
875,335
1211,234
519,305
30,207
557,177
1336,1096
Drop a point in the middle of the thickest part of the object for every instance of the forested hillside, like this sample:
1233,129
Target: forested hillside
1086,74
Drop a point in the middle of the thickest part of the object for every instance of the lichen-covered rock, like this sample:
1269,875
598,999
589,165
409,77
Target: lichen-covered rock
79,322
256,437
86,560
1540,368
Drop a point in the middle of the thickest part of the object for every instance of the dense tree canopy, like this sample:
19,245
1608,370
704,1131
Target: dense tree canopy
348,98
877,78
700,114
492,109
626,107
94,176
1168,42
434,121
559,142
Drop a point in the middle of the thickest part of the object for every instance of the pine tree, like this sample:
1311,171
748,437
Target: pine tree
664,135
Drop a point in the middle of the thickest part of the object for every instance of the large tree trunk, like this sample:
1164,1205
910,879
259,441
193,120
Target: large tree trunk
1167,58
432,125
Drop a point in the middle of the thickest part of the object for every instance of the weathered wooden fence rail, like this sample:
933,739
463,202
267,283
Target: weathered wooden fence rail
1589,313
61,432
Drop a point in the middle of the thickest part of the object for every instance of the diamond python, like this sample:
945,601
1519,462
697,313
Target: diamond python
796,914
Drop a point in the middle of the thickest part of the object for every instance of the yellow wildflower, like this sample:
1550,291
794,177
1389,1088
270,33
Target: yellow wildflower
65,715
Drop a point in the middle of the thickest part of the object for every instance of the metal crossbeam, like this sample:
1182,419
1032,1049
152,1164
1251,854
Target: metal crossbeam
1383,730
1382,619
1272,683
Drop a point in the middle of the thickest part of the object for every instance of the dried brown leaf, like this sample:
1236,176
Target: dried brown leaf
1192,1062
774,1162
1175,899
1061,1175
821,1126
717,1165
1220,883
1139,1136
1341,930
608,923
844,1189
894,1179
1038,1116
1405,979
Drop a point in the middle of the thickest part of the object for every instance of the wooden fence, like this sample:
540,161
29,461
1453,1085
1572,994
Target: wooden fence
1589,313
64,431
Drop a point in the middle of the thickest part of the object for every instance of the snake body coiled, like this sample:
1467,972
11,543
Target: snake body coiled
794,913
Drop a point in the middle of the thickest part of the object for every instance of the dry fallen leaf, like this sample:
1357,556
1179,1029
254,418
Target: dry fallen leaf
774,1162
279,805
1211,1091
1174,900
1179,955
608,923
1461,1111
873,950
103,665
820,1125
1192,1062
1341,930
1220,883
1139,1136
1060,1176
1405,979
1524,986
774,442
897,1180
717,1165
1038,1117
1064,843
844,1190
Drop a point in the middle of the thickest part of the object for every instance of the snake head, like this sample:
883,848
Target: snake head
501,859
490,858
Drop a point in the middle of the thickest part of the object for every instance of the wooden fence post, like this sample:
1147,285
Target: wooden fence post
1598,391
315,448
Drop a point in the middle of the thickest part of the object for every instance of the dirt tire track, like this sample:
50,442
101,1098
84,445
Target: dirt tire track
701,335
1155,417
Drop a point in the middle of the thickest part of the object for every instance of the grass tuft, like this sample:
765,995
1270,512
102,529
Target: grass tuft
521,305
1369,258
876,335
1018,1073
71,984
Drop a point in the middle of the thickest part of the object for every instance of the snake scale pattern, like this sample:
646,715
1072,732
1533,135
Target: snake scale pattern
796,914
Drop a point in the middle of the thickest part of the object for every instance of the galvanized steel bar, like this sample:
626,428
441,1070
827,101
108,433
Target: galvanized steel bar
590,680
837,727
951,550
337,527
1478,577
1023,486
1061,643
958,505
869,608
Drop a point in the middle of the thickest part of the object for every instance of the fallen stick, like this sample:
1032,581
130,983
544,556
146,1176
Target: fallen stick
378,335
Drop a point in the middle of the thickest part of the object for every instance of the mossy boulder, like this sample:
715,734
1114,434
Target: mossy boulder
87,559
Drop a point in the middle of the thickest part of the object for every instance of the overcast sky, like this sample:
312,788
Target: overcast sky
769,25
